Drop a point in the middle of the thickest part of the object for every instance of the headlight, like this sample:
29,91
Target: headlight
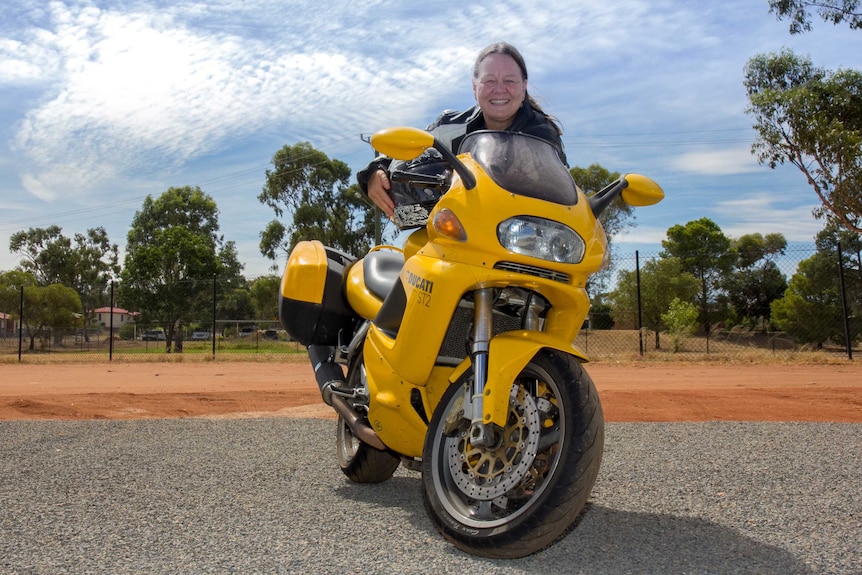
541,238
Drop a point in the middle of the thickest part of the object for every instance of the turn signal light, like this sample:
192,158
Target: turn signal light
446,223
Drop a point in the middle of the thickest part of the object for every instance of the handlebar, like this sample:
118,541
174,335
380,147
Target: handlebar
413,178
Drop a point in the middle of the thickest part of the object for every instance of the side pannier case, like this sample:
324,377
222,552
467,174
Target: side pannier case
312,306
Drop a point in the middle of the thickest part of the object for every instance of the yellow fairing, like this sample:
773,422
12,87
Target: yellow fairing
414,242
481,212
509,354
359,296
305,274
393,416
435,280
398,366
390,412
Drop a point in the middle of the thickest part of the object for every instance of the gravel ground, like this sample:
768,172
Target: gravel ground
266,496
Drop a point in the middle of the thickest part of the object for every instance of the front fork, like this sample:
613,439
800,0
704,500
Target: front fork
482,432
481,435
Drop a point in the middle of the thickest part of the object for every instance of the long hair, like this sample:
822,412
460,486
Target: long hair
508,50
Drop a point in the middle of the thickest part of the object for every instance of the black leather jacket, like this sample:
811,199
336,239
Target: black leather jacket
451,127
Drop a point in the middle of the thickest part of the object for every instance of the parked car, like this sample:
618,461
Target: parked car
153,335
270,334
247,331
201,336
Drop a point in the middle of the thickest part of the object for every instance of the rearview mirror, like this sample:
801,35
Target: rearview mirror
641,191
402,143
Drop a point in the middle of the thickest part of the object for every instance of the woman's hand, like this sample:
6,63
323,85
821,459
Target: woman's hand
378,191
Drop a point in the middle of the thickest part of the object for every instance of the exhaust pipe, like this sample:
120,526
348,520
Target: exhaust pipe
330,375
327,373
359,429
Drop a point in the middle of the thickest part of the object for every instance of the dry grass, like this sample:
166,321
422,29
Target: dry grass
601,346
51,358
740,358
621,346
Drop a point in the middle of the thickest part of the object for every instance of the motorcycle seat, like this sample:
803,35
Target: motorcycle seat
381,270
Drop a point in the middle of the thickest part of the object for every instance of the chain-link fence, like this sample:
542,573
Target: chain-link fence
799,300
219,319
232,338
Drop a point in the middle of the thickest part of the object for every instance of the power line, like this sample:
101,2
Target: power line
574,141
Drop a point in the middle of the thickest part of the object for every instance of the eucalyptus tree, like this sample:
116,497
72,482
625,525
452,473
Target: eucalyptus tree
810,118
799,12
173,251
703,251
85,262
314,191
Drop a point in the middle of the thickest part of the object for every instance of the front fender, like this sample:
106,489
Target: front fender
509,354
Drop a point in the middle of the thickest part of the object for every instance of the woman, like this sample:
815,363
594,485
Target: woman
502,103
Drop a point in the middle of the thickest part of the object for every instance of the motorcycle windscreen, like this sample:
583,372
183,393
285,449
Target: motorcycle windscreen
522,164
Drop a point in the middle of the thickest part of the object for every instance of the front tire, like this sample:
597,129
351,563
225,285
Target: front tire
525,493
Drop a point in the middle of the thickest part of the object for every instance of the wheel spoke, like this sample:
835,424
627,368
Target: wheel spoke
490,500
484,511
486,474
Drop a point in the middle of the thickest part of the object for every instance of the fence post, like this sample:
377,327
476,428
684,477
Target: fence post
847,341
213,329
110,327
20,323
640,310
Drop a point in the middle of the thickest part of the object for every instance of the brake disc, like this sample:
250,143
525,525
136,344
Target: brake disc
489,473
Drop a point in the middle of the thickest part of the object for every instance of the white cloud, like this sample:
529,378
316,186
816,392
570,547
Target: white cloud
35,186
23,64
141,91
641,235
717,162
116,98
769,213
55,180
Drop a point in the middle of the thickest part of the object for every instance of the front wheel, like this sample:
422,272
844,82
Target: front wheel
522,494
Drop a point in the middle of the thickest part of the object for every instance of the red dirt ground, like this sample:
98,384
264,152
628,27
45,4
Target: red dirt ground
634,391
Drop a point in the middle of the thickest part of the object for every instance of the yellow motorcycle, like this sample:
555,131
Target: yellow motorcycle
458,346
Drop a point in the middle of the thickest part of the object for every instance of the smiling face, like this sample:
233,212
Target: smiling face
500,88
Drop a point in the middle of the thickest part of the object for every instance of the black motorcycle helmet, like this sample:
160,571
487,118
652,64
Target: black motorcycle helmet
416,186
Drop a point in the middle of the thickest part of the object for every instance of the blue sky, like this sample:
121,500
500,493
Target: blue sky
108,101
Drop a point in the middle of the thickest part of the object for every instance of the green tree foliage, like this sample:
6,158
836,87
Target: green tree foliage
86,263
257,299
831,235
264,295
799,12
812,119
48,310
811,309
827,241
703,251
601,315
315,190
681,321
662,281
756,280
619,215
235,304
10,290
173,252
616,217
